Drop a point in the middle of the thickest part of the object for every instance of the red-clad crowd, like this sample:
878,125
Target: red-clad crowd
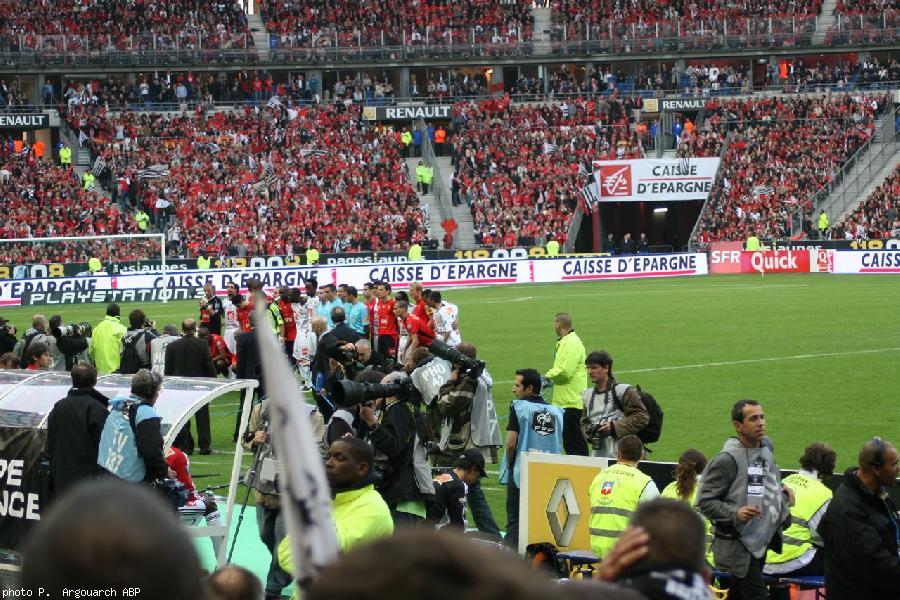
781,152
316,23
878,215
685,21
521,168
114,25
38,199
267,181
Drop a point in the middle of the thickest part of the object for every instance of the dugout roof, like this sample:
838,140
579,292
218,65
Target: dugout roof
26,397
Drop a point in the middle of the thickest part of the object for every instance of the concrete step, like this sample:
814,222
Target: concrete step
260,35
825,21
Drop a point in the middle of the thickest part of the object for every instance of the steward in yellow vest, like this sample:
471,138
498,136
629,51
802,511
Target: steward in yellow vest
753,244
615,494
801,552
203,262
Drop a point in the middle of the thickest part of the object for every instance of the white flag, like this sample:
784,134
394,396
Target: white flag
82,138
274,102
305,496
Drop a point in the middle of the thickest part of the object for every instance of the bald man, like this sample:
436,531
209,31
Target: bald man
861,530
189,356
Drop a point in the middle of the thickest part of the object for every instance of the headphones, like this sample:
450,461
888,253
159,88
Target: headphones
878,459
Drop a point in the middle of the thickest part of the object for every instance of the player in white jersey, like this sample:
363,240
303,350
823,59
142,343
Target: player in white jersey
305,307
446,319
231,325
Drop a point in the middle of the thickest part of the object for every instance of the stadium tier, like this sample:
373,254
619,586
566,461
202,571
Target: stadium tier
520,168
876,217
273,180
780,152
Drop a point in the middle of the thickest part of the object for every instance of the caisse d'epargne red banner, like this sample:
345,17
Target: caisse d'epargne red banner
661,180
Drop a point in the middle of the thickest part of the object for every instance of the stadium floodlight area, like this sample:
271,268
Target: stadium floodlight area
50,261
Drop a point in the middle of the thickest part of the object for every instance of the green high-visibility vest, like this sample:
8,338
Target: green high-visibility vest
552,248
88,179
428,175
615,494
810,495
753,243
203,262
406,138
312,256
143,219
671,491
94,264
420,173
823,221
65,155
415,253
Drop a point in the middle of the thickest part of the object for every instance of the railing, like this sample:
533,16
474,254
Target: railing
439,182
338,45
857,173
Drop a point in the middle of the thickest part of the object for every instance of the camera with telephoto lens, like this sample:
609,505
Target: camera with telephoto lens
467,366
350,393
347,357
70,331
597,435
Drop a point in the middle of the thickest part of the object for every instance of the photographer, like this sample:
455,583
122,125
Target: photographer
131,445
604,420
371,359
263,479
466,417
345,420
36,333
69,343
392,432
7,337
136,351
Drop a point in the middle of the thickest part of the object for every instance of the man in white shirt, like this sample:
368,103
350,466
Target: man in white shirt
446,319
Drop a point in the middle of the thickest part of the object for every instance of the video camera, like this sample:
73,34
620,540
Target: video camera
69,331
350,393
468,366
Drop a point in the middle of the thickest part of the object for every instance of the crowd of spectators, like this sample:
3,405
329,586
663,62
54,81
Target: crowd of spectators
521,168
109,25
39,199
643,25
806,75
876,217
276,180
781,151
320,23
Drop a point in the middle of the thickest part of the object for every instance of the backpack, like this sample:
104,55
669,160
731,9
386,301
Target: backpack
131,361
544,557
651,432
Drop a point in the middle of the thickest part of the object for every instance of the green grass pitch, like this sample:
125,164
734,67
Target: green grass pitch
819,351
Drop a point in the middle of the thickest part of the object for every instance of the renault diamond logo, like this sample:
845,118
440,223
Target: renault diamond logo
563,512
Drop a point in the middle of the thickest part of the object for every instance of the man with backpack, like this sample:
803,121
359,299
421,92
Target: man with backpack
136,352
612,410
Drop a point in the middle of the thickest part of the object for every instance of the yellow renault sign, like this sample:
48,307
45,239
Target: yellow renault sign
555,504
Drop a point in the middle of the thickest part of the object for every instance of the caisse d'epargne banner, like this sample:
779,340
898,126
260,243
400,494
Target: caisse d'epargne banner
661,180
867,262
181,285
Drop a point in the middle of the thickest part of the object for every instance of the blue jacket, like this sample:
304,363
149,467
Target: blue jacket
417,137
540,430
133,454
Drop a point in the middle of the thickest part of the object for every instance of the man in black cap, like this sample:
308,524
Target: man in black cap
449,505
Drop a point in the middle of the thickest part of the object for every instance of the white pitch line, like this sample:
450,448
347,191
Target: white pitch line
761,360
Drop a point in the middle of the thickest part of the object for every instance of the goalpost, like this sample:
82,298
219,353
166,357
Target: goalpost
43,269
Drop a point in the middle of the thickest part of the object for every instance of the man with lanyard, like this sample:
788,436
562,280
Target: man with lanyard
802,553
414,332
211,309
534,426
386,333
615,494
742,494
611,410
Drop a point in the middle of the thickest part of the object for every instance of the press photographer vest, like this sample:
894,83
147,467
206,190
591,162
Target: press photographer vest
540,430
118,443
